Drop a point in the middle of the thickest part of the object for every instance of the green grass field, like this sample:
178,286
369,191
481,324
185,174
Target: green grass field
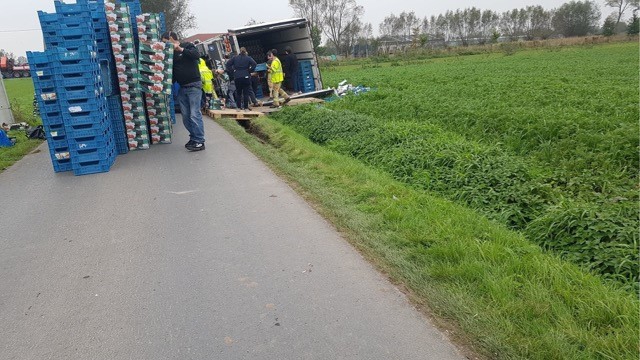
544,142
439,176
20,94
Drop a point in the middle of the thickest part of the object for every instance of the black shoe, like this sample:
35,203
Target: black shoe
191,142
196,146
287,100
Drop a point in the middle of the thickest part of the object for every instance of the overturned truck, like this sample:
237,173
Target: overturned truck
260,38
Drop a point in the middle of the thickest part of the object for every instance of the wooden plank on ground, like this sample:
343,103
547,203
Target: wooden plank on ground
234,114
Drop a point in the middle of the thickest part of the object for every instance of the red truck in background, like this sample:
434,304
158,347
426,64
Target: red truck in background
11,70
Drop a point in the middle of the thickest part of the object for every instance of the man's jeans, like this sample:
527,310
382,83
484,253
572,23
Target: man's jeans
189,99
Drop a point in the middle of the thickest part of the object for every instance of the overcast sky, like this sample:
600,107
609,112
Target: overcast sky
20,29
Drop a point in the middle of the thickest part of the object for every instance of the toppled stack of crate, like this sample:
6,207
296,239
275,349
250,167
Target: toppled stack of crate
305,76
124,51
70,90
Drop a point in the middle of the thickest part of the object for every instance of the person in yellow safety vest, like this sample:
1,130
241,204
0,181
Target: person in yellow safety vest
206,75
277,77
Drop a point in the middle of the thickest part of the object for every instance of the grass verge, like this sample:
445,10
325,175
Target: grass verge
20,94
502,294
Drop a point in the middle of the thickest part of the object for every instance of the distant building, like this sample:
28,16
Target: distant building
202,37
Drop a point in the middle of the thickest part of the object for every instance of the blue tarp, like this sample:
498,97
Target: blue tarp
4,139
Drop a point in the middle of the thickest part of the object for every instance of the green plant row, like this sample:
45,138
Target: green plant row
505,296
506,188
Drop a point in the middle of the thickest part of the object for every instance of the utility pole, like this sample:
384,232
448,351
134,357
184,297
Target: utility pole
6,116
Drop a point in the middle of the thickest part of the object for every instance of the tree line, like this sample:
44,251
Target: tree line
340,21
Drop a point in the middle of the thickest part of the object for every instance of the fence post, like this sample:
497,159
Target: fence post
6,116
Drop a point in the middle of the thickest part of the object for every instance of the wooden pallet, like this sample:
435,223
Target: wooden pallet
234,114
256,111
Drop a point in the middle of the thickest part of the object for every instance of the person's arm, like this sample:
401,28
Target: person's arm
252,64
189,51
229,66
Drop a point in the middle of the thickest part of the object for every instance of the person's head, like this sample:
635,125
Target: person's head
243,51
269,56
274,52
288,50
169,36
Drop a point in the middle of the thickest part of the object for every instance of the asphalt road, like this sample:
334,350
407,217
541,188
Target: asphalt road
178,255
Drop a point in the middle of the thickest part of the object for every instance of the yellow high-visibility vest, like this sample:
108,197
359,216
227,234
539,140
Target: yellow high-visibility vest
207,77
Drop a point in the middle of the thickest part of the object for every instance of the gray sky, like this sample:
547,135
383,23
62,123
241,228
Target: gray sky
20,29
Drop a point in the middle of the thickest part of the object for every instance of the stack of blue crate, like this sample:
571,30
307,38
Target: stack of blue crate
84,111
305,76
42,74
68,79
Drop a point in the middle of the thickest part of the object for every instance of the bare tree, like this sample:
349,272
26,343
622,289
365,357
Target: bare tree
537,23
489,23
337,21
465,24
621,6
387,26
312,10
442,26
512,23
408,21
351,34
176,13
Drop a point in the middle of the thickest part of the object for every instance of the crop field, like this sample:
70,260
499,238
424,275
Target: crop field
544,142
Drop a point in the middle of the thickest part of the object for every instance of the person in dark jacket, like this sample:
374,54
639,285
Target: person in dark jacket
290,67
241,66
187,74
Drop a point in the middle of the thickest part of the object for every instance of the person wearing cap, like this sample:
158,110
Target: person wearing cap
186,72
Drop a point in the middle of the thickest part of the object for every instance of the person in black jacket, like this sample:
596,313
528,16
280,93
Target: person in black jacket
241,66
186,73
290,67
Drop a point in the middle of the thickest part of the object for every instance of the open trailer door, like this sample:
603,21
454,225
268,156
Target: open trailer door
260,38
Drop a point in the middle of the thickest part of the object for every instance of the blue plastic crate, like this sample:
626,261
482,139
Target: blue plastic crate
43,82
100,153
47,18
109,78
39,57
89,145
71,44
78,79
79,54
71,9
83,94
55,131
82,106
96,117
52,122
76,68
82,20
85,130
48,106
61,165
58,145
93,167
